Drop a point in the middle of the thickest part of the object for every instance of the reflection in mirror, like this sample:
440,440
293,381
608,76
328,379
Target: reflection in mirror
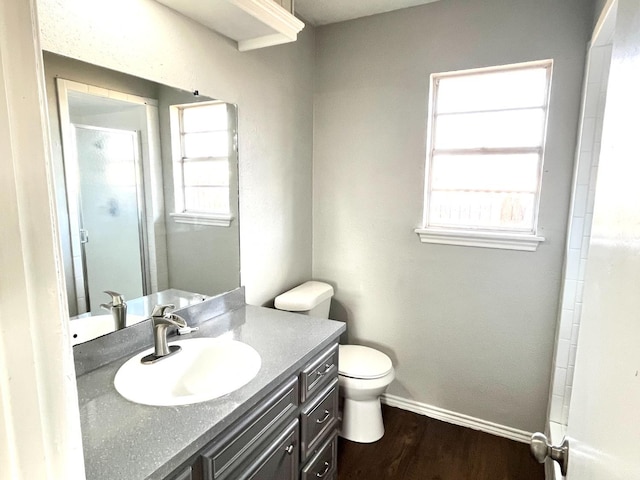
146,188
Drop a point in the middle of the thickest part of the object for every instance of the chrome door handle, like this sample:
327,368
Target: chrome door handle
541,449
323,419
327,369
289,449
327,466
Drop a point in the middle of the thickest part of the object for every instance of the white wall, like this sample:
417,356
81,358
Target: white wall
273,90
40,424
469,330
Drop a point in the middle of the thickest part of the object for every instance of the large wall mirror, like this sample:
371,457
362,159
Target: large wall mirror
146,181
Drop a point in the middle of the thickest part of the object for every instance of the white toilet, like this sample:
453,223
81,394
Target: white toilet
363,373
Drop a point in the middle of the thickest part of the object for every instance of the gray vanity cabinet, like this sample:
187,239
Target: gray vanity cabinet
279,460
324,463
319,417
289,435
241,450
318,372
184,474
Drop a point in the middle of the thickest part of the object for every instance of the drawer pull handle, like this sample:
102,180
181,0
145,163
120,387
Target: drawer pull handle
320,421
327,466
327,369
289,449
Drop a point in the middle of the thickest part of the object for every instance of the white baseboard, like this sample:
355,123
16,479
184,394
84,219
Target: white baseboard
456,418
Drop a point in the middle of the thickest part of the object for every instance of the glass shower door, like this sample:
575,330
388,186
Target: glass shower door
111,213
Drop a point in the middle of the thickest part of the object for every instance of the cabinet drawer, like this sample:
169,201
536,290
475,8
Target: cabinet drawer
318,373
235,446
318,418
324,464
279,460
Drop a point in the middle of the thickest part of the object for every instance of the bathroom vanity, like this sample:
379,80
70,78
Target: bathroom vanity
281,425
283,437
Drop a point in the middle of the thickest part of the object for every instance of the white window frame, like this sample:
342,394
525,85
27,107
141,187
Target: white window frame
509,239
181,215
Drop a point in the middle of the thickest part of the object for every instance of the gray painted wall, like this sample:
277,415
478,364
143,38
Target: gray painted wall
272,88
470,330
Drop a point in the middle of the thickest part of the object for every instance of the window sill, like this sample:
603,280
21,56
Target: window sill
469,238
215,220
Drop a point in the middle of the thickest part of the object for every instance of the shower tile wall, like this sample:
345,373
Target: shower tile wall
579,231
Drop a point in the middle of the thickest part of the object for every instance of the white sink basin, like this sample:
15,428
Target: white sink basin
205,368
89,327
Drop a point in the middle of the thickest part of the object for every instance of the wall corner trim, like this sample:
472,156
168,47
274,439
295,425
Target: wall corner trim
456,418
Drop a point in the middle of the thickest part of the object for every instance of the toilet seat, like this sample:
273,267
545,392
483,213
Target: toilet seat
358,361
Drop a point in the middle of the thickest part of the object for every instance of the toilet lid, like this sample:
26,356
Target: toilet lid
357,361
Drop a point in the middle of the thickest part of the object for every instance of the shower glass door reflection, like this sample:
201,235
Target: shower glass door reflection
111,210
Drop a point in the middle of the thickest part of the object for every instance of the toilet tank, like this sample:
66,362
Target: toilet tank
310,298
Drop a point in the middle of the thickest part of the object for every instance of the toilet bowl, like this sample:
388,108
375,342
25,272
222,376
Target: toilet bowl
364,373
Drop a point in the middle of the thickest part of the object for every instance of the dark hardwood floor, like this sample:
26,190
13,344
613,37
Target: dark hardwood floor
416,447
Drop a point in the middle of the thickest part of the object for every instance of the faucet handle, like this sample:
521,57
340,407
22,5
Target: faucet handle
162,310
161,320
117,299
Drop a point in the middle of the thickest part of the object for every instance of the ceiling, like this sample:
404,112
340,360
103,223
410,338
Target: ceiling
322,12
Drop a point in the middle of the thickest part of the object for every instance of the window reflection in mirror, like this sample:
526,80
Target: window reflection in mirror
202,142
115,172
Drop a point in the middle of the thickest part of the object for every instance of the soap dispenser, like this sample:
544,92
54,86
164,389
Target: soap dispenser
118,309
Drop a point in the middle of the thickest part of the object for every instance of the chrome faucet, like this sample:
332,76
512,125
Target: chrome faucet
161,320
118,309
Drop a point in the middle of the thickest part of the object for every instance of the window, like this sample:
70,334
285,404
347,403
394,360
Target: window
484,161
202,142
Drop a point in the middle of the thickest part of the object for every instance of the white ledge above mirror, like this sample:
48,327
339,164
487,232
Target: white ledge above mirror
251,23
